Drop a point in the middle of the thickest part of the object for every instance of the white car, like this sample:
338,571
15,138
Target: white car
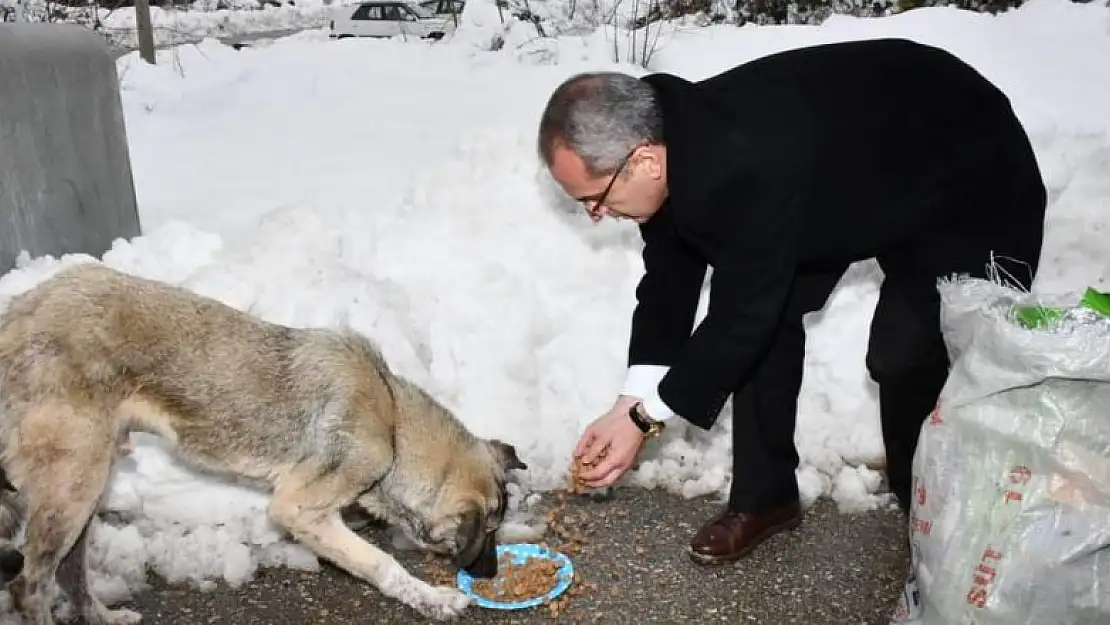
388,18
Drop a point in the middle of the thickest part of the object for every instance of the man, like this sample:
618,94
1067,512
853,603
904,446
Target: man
778,174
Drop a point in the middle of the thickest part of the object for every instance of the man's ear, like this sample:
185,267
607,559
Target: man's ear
650,158
506,453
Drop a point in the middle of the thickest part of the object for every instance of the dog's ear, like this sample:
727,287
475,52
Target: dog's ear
506,453
470,540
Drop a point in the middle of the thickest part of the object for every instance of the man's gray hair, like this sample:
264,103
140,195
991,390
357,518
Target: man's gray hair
601,116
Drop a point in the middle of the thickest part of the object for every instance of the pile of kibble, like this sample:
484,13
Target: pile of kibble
536,576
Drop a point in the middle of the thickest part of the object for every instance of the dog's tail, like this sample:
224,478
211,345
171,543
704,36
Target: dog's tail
11,519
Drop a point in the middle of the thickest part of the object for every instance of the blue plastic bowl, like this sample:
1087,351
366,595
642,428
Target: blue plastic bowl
520,553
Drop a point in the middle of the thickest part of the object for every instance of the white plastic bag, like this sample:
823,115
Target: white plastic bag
1010,521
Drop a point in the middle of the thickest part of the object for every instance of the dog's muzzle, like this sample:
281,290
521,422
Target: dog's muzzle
484,564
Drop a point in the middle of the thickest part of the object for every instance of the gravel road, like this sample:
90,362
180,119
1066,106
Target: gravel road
835,569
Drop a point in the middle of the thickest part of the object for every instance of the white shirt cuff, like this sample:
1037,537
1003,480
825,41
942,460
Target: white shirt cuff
643,382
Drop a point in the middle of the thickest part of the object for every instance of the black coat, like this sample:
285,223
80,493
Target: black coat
826,154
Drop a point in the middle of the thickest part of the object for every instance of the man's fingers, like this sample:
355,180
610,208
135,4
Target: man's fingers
593,469
585,442
592,474
595,454
609,477
596,449
591,463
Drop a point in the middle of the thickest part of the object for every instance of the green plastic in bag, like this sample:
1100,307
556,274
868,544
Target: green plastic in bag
1033,317
1098,302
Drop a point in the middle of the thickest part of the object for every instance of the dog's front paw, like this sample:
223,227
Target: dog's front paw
442,603
124,617
105,616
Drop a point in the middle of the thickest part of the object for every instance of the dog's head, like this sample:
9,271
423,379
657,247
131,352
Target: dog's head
466,508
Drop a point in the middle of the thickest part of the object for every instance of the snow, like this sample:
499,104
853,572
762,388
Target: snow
190,22
394,186
204,19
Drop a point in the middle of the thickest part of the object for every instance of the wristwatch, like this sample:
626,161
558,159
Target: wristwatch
646,424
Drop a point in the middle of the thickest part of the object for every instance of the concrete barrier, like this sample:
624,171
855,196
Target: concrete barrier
65,172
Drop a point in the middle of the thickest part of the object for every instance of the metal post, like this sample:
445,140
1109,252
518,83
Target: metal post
146,30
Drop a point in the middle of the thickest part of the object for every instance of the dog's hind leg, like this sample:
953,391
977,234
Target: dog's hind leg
73,579
310,509
64,460
54,524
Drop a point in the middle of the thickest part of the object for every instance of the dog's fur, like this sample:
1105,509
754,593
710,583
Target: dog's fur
314,416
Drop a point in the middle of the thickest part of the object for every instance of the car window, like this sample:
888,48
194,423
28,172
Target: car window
368,12
419,11
442,6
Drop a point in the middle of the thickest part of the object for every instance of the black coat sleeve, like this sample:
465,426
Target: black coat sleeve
667,295
751,240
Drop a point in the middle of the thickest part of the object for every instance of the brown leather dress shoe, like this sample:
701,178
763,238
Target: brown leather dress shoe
730,536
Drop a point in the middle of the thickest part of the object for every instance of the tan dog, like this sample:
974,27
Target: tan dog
313,416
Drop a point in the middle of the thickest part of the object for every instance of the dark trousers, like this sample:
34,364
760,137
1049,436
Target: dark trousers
999,215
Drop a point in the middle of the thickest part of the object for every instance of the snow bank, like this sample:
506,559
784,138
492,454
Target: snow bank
175,24
395,187
204,19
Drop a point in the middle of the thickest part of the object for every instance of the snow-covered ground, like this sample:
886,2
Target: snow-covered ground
188,23
204,19
176,23
394,186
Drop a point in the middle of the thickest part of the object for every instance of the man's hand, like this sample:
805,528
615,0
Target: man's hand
614,435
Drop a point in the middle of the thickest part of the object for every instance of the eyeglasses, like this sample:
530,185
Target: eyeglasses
598,202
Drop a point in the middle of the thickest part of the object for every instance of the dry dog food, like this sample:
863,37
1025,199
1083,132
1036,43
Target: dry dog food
519,582
565,530
576,485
